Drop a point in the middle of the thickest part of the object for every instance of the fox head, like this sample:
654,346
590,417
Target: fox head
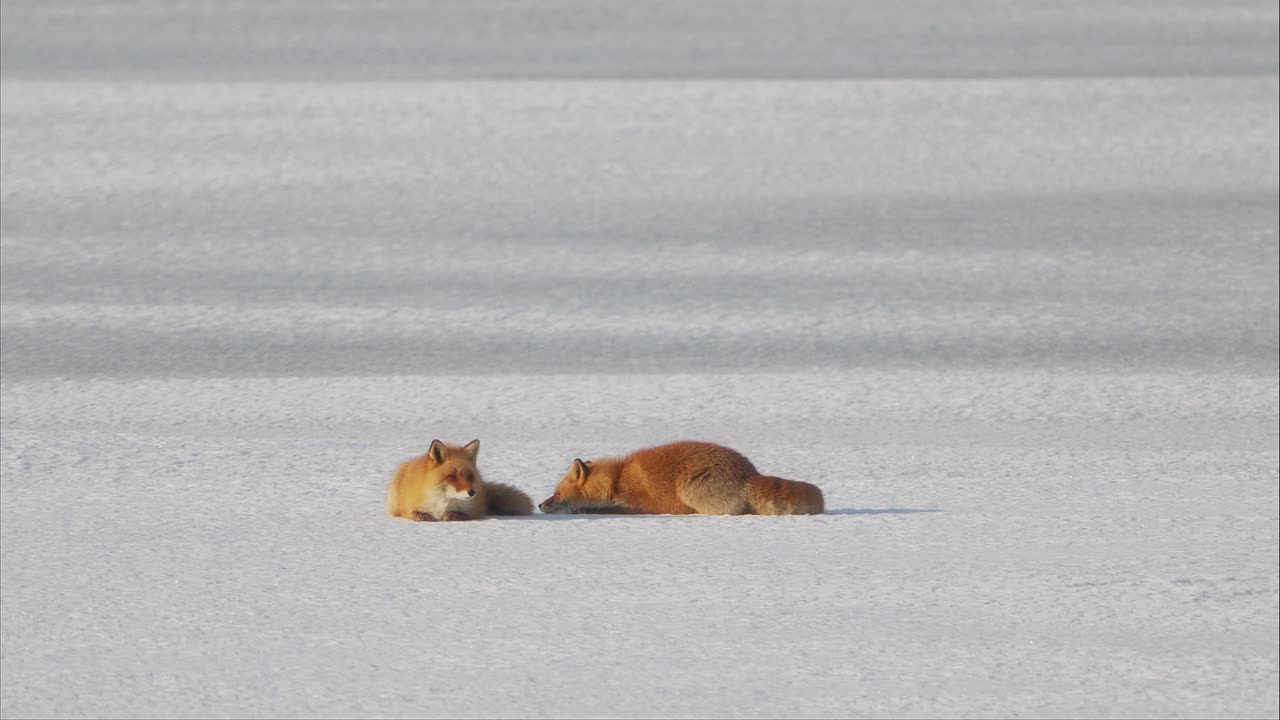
455,467
588,486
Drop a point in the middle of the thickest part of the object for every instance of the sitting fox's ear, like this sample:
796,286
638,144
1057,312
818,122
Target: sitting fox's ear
472,449
436,451
580,470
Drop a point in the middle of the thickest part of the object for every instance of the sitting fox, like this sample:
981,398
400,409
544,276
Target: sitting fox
444,484
680,479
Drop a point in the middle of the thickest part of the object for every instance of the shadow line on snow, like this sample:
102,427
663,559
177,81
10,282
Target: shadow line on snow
615,515
881,511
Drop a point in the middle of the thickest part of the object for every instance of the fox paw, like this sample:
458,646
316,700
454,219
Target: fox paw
422,517
454,515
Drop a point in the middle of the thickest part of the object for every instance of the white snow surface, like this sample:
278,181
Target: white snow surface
1001,278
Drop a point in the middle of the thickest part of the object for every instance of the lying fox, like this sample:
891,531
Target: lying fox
444,484
680,479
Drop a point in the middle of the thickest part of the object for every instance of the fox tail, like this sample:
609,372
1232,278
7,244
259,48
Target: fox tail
775,496
506,500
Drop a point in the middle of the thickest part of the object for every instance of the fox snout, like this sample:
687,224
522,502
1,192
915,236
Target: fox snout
548,505
460,482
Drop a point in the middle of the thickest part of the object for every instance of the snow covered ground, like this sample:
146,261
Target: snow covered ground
1000,277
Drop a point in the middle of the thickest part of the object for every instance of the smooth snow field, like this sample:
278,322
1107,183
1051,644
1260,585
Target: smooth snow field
999,277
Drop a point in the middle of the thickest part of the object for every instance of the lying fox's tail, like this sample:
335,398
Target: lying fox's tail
506,500
775,496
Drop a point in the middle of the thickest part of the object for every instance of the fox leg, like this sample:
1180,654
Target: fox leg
454,515
709,493
422,517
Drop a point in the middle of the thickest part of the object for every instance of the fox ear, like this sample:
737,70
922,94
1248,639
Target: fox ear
472,449
436,451
580,470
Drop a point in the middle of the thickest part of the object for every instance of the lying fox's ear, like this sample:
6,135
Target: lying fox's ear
579,470
436,451
472,449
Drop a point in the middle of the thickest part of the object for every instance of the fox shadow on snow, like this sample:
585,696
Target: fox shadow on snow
603,515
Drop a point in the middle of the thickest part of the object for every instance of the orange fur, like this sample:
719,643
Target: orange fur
445,484
679,479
